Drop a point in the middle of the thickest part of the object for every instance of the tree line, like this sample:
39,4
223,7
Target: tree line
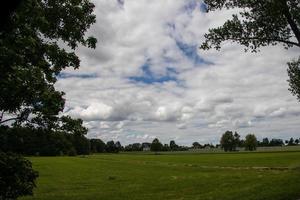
231,141
43,142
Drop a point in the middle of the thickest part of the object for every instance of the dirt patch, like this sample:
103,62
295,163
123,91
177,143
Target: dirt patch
243,168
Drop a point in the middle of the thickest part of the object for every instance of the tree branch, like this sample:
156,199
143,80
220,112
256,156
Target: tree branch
10,119
267,39
290,20
1,116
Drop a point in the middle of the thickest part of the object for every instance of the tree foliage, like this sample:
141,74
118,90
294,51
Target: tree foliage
43,142
230,141
17,178
31,57
97,146
156,145
250,142
173,145
196,145
294,74
259,23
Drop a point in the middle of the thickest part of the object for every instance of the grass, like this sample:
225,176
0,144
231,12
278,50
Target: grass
260,175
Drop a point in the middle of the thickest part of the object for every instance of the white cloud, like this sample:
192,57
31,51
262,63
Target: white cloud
230,90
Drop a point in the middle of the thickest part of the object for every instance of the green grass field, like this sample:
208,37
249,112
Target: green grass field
260,175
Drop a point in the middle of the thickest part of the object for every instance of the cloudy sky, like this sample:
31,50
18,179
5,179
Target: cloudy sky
147,78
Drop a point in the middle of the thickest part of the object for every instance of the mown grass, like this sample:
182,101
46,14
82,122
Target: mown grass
272,175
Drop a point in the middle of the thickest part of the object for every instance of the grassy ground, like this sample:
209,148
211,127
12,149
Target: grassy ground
271,175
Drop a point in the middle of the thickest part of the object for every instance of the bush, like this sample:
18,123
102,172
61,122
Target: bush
72,152
17,178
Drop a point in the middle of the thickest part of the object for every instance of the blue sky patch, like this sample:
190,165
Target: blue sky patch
190,51
149,77
203,7
190,6
65,75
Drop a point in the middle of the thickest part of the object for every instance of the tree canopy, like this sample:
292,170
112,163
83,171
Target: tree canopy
259,23
230,141
17,178
31,57
250,142
156,145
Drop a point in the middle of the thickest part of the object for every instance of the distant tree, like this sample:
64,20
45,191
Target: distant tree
228,142
237,140
97,145
136,147
17,177
265,142
128,147
297,141
196,145
81,144
173,145
276,142
291,142
259,23
77,132
118,147
165,147
242,143
156,145
250,142
110,147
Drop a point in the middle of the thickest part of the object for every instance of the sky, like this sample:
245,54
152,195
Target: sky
147,78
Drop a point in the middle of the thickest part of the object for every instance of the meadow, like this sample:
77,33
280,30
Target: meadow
182,176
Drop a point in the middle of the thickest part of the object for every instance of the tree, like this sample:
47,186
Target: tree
250,142
17,178
173,145
259,23
276,142
97,145
81,144
136,147
7,10
237,140
196,145
30,60
110,147
294,74
165,147
156,145
291,142
265,142
228,141
118,146
296,141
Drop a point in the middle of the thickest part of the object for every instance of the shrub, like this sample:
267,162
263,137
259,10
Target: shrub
17,178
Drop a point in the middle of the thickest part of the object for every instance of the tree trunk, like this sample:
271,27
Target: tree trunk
293,25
